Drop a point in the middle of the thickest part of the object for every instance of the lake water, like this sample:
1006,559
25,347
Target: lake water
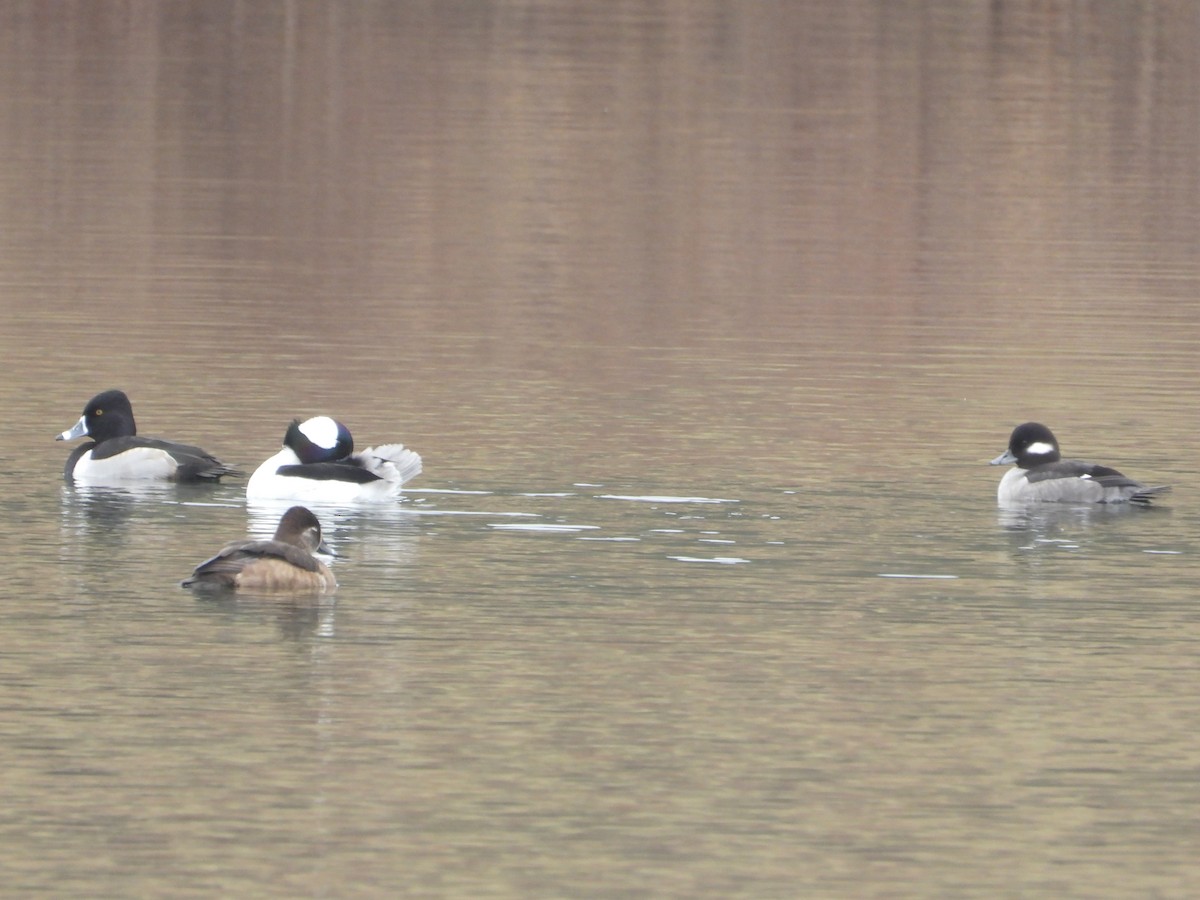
706,320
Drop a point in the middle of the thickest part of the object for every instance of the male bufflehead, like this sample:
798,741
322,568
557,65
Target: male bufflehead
117,455
284,564
1041,474
317,463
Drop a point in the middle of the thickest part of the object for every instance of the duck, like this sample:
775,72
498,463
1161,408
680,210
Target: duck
284,564
117,454
317,464
1041,474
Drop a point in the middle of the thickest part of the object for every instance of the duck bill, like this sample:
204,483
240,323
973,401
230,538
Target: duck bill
78,430
1003,459
325,549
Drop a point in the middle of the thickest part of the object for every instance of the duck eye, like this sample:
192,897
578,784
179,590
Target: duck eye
99,412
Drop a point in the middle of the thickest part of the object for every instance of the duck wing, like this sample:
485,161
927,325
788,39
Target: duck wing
194,464
232,558
342,470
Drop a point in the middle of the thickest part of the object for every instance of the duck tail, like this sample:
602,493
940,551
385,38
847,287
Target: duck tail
1146,494
393,462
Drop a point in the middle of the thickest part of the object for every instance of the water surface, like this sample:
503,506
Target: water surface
705,321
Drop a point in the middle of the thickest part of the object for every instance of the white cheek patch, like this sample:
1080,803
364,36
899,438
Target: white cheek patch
1040,448
322,431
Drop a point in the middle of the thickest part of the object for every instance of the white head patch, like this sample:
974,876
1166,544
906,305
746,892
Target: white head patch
322,431
1039,448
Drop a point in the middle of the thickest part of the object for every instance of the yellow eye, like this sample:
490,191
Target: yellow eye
99,412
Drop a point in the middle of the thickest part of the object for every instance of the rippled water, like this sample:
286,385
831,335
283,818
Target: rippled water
706,321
